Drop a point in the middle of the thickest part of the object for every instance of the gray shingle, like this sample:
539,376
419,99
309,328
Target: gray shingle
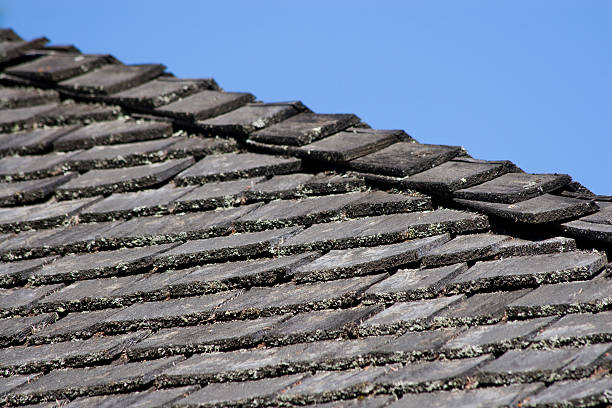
22,97
237,165
404,159
111,132
360,261
108,181
514,187
249,118
350,144
160,91
205,104
304,128
457,174
538,210
111,78
572,297
59,66
525,271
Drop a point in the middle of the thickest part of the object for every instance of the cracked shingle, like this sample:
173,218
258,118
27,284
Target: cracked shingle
16,329
204,338
15,273
404,316
319,325
17,301
412,284
464,248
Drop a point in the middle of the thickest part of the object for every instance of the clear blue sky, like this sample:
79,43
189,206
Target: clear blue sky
528,81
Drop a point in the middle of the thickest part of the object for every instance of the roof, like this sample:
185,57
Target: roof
167,243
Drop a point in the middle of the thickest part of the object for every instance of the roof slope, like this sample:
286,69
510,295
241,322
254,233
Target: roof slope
167,243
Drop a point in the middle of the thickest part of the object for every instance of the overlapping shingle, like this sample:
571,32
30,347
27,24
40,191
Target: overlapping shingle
10,50
383,229
205,104
249,118
119,131
23,97
457,174
586,296
350,144
111,78
529,271
360,261
31,191
59,66
24,118
35,141
514,187
538,210
70,112
404,159
104,182
41,216
304,128
75,382
160,91
237,165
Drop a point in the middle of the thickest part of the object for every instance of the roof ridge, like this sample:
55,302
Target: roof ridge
334,141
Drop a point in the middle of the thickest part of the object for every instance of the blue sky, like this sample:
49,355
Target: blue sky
527,81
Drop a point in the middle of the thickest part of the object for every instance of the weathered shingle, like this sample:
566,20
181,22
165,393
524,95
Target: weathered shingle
58,67
300,259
